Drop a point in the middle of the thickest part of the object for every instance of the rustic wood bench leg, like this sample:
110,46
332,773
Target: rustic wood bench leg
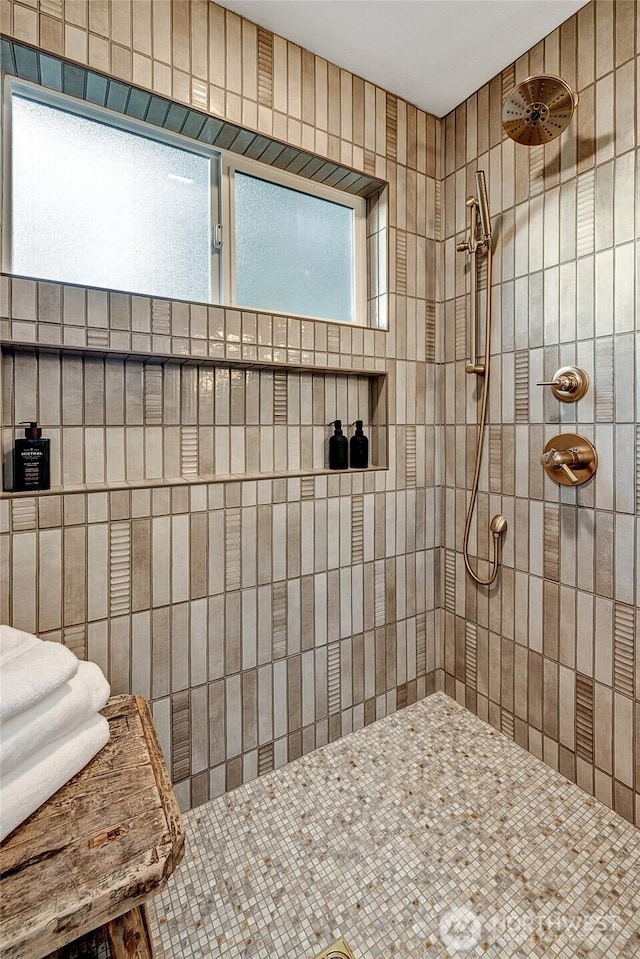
129,935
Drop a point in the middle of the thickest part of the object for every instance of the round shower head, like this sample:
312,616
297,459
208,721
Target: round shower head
538,110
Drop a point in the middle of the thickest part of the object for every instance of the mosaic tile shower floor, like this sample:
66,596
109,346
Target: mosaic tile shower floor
426,834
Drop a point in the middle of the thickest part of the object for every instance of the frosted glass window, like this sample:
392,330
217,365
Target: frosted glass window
99,206
294,253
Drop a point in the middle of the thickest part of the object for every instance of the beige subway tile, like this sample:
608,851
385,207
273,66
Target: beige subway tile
141,654
121,62
161,20
603,727
120,655
25,25
181,35
233,52
51,35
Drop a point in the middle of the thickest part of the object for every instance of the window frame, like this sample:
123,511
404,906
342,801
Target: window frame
223,165
232,163
107,117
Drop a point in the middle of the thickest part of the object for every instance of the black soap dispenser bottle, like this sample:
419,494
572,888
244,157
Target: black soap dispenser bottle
31,465
358,449
338,448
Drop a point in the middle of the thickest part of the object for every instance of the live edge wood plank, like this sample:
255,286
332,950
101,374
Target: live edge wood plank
102,845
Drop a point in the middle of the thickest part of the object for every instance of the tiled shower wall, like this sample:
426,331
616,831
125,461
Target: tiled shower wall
251,656
550,653
264,616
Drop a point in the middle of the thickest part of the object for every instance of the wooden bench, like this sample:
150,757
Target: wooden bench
97,850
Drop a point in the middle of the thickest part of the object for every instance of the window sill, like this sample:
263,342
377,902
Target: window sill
228,355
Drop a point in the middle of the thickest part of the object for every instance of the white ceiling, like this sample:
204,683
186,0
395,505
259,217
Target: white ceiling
433,53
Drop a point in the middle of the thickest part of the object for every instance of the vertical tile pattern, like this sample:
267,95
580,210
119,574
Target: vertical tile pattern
604,381
508,80
75,639
391,126
556,659
584,718
430,330
586,213
421,645
450,580
232,549
379,594
359,562
265,67
189,450
357,529
279,620
153,386
265,759
461,328
160,317
334,678
307,487
258,615
120,569
536,170
401,261
410,455
522,387
637,470
280,389
495,459
551,541
624,648
471,654
23,514
180,749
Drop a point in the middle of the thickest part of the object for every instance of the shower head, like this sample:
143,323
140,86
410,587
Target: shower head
538,110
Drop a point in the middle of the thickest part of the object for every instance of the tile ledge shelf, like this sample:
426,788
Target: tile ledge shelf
191,359
191,480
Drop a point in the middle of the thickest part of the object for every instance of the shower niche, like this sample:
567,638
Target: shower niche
119,421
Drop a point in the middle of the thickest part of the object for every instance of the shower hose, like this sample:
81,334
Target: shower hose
498,523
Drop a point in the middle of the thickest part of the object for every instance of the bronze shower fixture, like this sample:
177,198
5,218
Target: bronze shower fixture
569,459
569,384
538,110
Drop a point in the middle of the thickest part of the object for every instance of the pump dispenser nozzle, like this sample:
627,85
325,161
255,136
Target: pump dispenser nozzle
32,431
338,448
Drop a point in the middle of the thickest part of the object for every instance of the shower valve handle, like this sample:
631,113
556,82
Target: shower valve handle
569,384
569,460
565,383
551,460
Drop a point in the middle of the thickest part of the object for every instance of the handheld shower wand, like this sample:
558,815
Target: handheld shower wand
483,207
478,241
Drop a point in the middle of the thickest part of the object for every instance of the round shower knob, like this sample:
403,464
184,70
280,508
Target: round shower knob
569,384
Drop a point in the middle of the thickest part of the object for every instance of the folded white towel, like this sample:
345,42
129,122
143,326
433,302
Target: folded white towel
58,713
31,783
30,669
